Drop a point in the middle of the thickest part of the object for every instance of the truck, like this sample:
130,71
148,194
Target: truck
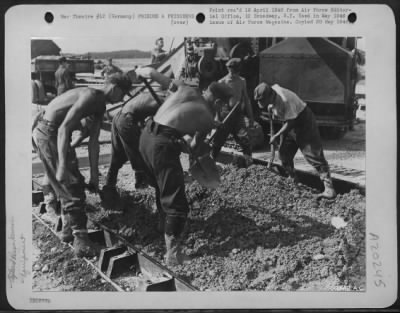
43,67
322,71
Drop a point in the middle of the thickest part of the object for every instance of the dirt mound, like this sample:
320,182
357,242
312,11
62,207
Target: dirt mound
255,232
55,268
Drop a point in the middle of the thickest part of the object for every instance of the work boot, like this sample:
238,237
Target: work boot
292,176
329,192
293,179
174,255
64,229
53,206
83,247
110,198
248,160
238,161
140,180
161,222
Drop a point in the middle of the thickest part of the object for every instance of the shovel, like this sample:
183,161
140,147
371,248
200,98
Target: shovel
204,169
271,134
271,164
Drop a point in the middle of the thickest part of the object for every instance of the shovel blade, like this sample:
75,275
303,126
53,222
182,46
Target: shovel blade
205,171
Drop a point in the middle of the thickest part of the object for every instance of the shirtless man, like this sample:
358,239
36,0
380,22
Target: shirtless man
52,137
83,130
110,68
125,133
236,126
63,77
158,54
185,116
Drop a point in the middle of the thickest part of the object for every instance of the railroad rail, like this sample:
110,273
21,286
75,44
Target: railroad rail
121,263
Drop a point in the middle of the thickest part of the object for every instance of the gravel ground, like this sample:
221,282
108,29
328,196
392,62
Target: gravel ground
55,268
257,231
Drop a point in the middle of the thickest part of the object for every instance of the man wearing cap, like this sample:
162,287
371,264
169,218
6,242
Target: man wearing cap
300,131
125,133
236,125
52,138
158,54
110,69
63,77
182,121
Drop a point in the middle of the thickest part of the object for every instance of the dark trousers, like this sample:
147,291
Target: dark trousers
160,151
237,127
71,192
305,136
125,134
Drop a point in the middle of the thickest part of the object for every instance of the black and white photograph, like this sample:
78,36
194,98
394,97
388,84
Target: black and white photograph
229,164
257,207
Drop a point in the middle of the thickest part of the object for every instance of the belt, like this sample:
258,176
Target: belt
167,131
47,122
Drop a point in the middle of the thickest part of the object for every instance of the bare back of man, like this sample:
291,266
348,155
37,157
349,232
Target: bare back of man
143,105
186,111
85,101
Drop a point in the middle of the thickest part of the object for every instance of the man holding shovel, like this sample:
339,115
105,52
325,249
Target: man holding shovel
52,138
236,123
299,131
125,133
180,125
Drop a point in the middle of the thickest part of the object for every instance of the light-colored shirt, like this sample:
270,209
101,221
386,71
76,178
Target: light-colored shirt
288,105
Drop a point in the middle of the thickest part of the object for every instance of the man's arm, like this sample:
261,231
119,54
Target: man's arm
196,144
69,123
94,149
82,134
287,127
36,119
153,57
149,72
68,79
249,109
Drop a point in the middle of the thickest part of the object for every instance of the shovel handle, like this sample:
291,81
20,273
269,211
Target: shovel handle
226,119
271,129
147,84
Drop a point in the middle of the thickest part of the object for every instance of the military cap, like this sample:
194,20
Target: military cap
262,91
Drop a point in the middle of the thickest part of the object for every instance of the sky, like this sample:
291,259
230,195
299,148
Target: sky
106,44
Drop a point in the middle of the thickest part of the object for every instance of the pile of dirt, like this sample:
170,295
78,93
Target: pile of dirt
55,268
255,232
